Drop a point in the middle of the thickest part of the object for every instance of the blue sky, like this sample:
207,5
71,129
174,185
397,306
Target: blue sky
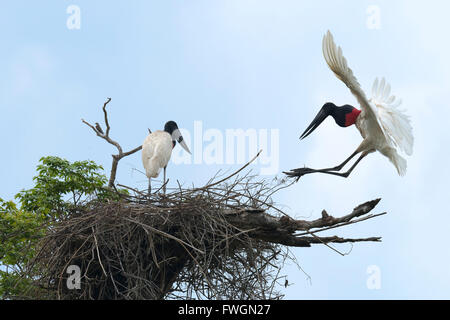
246,64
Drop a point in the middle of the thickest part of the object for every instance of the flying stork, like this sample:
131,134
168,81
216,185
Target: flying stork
383,126
157,149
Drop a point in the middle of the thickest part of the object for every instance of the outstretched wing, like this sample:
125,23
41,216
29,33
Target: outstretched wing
395,122
338,64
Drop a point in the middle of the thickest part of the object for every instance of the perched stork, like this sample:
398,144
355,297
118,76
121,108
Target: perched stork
157,149
383,126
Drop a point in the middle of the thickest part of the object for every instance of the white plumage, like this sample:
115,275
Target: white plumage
395,122
383,126
156,152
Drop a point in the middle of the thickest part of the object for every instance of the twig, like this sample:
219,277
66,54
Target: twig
166,235
98,252
234,173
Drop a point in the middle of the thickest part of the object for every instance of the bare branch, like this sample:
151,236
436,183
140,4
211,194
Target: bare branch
106,116
282,230
131,151
116,157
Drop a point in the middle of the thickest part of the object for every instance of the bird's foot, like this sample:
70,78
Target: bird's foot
299,172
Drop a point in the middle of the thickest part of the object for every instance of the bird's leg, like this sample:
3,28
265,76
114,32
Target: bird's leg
302,171
164,180
327,171
346,174
149,186
339,167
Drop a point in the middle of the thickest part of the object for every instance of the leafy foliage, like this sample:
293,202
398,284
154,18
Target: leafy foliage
60,188
19,230
58,178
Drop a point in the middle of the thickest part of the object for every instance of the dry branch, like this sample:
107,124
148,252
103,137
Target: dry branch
282,230
116,157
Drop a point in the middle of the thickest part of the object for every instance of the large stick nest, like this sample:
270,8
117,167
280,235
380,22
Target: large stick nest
223,241
178,245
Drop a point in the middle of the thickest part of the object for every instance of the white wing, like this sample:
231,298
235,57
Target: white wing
338,64
394,121
156,152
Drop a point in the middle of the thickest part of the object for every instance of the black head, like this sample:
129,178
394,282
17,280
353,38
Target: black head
344,116
170,127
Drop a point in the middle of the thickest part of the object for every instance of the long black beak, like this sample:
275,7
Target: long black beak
315,123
